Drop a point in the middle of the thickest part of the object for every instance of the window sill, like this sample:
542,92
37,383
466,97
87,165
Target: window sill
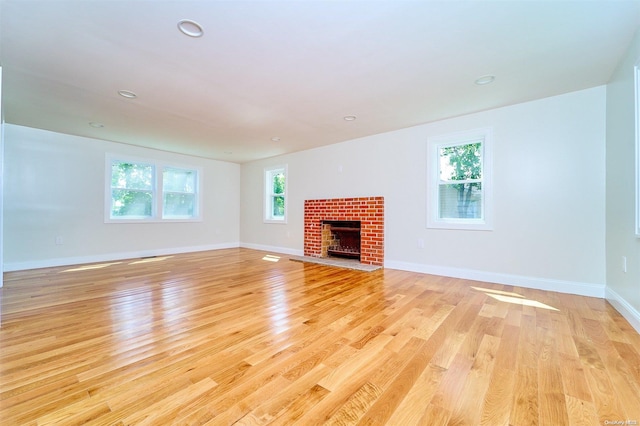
177,220
276,221
461,225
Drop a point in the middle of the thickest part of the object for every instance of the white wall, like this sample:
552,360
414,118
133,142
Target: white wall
54,186
623,289
1,188
549,196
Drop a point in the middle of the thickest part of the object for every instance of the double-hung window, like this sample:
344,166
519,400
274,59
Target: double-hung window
132,190
460,181
151,191
179,196
275,194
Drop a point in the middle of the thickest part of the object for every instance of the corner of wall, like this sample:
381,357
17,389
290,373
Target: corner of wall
622,283
625,309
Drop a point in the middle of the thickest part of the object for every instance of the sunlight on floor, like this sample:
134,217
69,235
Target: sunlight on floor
509,297
104,265
504,293
271,258
150,260
90,267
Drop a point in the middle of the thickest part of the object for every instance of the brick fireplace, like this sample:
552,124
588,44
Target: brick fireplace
368,211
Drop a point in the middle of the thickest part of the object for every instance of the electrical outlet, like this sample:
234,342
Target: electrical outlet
420,243
59,240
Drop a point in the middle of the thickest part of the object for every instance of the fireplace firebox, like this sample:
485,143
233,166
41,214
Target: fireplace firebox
341,238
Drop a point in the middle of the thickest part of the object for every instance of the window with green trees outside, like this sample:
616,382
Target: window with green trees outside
275,194
460,180
149,191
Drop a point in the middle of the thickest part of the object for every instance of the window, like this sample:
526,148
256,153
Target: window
134,186
132,190
460,181
275,209
179,193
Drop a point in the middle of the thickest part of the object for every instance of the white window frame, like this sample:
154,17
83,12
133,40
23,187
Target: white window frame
434,144
269,172
157,213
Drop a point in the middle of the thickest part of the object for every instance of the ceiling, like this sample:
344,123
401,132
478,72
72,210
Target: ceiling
292,70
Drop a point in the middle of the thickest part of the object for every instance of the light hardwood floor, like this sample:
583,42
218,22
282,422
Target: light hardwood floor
227,337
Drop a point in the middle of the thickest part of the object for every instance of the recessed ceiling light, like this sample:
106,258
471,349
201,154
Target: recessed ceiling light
96,125
349,117
485,79
127,94
275,139
190,28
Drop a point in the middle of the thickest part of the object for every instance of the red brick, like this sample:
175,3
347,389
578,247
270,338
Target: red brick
368,210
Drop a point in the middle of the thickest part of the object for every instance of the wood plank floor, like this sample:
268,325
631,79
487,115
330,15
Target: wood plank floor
234,337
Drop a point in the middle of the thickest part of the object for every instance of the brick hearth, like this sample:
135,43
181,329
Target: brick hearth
368,210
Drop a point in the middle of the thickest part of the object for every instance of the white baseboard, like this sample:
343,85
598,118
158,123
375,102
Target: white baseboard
275,249
571,287
110,257
624,307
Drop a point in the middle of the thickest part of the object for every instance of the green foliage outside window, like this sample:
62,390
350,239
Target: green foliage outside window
461,163
278,200
139,192
131,190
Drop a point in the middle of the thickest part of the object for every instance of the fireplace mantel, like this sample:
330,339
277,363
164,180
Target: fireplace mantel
369,211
